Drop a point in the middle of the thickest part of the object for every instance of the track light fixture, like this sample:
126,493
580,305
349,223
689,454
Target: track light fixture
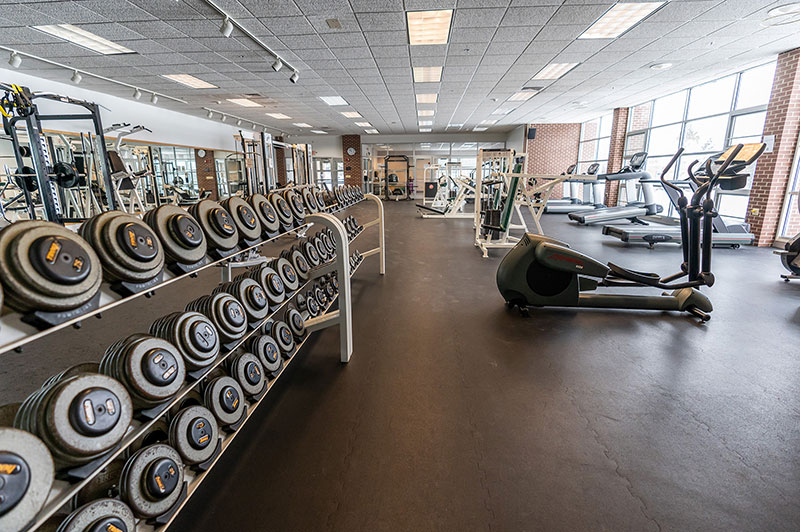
277,65
224,118
295,77
209,115
227,27
154,99
15,60
137,94
76,77
238,122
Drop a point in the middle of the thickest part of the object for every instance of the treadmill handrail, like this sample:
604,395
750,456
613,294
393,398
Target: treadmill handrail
626,176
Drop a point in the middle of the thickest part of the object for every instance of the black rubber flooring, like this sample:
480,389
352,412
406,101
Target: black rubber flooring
456,414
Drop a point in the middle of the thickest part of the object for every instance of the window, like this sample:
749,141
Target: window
594,144
790,221
755,86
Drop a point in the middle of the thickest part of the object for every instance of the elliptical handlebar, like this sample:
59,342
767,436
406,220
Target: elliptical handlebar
708,186
667,168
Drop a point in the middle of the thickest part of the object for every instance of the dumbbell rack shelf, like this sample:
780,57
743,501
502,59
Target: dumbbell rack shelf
64,490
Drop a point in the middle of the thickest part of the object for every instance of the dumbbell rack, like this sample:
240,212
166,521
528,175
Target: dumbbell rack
15,334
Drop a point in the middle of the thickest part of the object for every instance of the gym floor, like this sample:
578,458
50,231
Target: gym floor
457,414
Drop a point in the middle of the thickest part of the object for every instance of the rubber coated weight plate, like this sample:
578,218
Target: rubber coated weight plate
265,212
224,397
194,434
310,201
287,273
25,178
26,476
300,264
193,334
244,216
266,349
217,224
250,294
152,479
127,247
320,199
179,233
225,312
269,279
282,209
248,371
103,515
44,266
295,322
295,202
311,254
284,338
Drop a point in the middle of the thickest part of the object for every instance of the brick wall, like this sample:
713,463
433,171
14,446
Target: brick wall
352,163
553,150
280,163
772,172
206,172
616,152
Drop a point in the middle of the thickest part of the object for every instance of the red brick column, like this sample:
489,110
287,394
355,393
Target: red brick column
616,152
772,171
352,163
553,150
206,172
280,163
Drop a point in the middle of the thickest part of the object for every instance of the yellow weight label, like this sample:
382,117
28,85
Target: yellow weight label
77,264
112,528
203,439
52,253
132,238
8,469
149,242
160,484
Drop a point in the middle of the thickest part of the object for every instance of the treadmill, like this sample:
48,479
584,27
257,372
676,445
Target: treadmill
592,196
634,209
572,197
669,230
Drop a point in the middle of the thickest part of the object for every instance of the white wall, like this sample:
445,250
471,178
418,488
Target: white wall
169,127
322,146
516,139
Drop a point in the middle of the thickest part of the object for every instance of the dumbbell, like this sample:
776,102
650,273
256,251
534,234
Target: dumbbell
266,349
310,200
26,476
128,249
319,247
179,233
283,336
217,224
193,334
250,294
287,273
328,242
320,295
298,261
294,319
270,224
193,432
309,250
321,201
152,369
269,280
44,266
223,396
102,515
308,305
244,217
295,202
283,210
225,312
79,416
248,371
152,480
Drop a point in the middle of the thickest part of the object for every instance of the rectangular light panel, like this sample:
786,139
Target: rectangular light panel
502,111
318,132
424,130
425,112
279,116
84,38
302,124
479,129
426,122
619,19
554,70
522,96
372,131
429,97
244,102
189,81
351,114
429,27
427,74
363,124
333,100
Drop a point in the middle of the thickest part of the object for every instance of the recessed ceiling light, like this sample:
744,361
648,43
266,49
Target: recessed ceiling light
189,81
279,116
619,19
427,74
661,66
84,38
302,124
554,70
244,102
522,96
782,15
489,122
333,23
363,124
424,130
371,131
429,97
479,129
502,111
429,27
318,132
333,100
351,114
426,122
425,112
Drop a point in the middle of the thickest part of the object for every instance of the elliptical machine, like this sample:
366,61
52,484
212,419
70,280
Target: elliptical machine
541,271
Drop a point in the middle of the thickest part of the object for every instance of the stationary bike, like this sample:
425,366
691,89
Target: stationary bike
541,271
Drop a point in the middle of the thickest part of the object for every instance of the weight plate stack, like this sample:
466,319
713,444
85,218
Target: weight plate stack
193,334
225,312
308,303
283,337
245,218
287,272
322,249
250,294
152,369
266,349
179,233
44,266
310,201
320,295
329,244
127,247
298,261
224,397
26,476
269,280
295,322
282,209
320,197
266,214
248,371
152,480
217,224
295,202
78,417
193,432
310,253
103,515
